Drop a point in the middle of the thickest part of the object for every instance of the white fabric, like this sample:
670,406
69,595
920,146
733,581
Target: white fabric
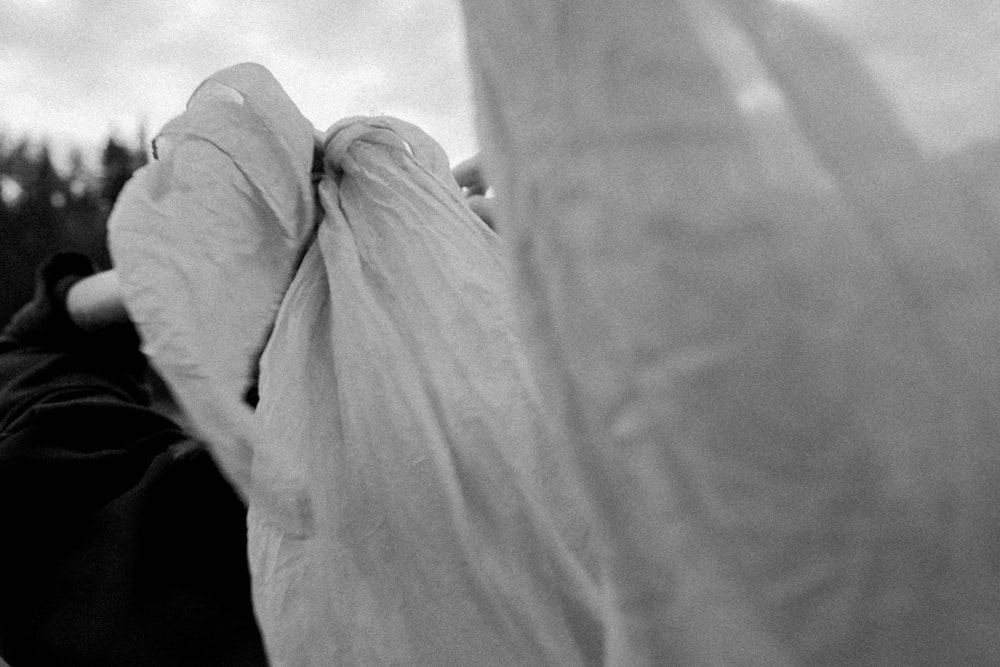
205,241
406,507
758,254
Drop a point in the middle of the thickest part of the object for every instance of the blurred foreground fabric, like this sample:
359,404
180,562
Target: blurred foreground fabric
758,260
405,507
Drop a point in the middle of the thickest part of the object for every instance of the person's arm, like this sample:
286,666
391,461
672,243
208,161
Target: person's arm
72,401
122,544
45,353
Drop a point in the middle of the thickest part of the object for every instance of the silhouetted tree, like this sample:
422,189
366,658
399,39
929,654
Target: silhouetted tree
55,212
118,162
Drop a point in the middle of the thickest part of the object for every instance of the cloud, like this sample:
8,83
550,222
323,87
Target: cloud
74,68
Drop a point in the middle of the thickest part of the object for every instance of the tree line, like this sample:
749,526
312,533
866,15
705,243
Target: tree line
45,209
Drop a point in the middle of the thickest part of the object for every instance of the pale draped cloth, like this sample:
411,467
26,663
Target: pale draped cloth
756,267
404,505
758,260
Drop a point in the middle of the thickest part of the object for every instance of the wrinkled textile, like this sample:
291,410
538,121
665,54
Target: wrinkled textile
758,256
405,505
206,241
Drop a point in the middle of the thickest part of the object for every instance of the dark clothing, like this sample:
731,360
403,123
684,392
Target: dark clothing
120,542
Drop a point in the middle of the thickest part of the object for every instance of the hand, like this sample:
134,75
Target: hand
96,302
470,177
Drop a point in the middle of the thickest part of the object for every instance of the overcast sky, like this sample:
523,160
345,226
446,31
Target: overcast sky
71,70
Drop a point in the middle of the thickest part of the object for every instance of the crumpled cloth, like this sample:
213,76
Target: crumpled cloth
758,255
406,502
206,240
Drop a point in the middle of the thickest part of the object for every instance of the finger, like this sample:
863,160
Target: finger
96,302
469,175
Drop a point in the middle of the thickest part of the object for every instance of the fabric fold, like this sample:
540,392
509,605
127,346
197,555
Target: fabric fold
404,504
781,395
205,240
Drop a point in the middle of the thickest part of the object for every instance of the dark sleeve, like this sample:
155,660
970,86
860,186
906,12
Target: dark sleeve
120,543
43,355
